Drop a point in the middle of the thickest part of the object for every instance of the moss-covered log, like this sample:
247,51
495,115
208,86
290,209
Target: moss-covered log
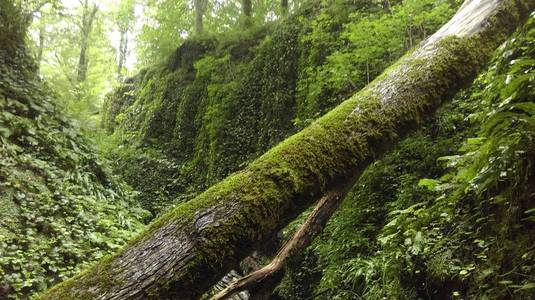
186,251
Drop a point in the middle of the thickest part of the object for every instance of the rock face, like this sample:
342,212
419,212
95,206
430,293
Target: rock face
60,207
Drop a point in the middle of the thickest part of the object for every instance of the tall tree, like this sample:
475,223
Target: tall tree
184,252
89,12
125,21
37,17
168,23
60,46
40,45
200,9
284,7
123,51
247,8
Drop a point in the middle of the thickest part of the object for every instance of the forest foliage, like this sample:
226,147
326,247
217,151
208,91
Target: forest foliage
61,207
449,212
220,101
173,108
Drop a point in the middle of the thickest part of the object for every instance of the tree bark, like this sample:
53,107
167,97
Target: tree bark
367,72
125,21
183,253
88,17
200,8
284,7
40,46
247,8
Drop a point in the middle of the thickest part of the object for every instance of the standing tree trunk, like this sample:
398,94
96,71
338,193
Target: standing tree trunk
123,50
247,8
125,21
88,16
40,46
200,8
409,34
183,253
367,71
284,7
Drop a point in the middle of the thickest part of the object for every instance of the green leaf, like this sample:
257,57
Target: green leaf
527,286
5,132
430,184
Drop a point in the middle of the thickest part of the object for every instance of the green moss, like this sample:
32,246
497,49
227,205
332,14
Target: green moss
98,275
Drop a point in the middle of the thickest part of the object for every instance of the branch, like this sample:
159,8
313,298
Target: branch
268,277
38,7
28,17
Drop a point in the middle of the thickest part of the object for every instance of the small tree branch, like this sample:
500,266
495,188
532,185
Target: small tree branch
38,7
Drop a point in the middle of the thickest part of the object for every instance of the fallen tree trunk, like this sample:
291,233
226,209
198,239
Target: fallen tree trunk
183,253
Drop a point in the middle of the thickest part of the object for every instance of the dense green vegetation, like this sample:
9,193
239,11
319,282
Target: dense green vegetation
447,214
61,207
220,101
